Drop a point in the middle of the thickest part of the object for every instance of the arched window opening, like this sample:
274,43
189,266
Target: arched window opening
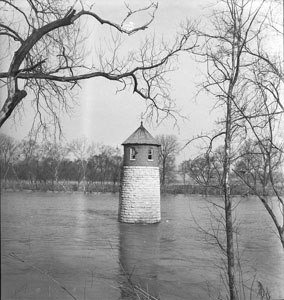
150,154
132,154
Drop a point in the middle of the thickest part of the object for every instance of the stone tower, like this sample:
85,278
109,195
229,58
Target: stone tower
139,198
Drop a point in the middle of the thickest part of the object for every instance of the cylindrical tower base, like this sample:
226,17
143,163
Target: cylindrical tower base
139,198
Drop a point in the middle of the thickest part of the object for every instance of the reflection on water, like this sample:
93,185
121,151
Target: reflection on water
81,219
139,249
78,241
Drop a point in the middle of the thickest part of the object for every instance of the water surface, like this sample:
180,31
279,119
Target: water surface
76,240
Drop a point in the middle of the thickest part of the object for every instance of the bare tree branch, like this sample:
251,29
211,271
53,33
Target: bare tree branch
52,52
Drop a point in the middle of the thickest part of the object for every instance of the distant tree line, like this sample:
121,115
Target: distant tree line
250,172
75,166
87,167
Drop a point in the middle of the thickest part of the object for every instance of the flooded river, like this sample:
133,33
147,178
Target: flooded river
52,242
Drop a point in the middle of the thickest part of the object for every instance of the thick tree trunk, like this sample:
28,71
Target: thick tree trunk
11,102
228,201
14,94
282,236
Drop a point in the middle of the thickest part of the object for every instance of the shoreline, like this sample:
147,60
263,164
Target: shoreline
108,187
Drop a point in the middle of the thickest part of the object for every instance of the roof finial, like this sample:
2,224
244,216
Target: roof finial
141,119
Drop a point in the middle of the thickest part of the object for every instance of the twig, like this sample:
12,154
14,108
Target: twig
15,256
135,288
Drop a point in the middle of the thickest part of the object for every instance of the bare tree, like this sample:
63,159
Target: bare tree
206,170
46,56
168,151
266,165
235,26
105,165
82,151
53,154
9,155
263,115
30,155
253,167
184,170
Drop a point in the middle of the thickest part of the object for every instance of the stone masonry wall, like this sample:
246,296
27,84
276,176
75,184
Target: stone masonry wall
139,199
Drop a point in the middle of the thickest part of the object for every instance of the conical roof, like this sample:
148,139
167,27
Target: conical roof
141,136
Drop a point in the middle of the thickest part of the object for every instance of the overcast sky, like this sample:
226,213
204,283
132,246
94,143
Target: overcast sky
104,116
